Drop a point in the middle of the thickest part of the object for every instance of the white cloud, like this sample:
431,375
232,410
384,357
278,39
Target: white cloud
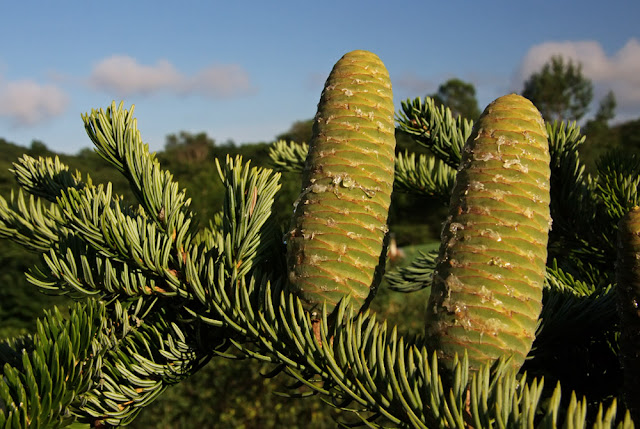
218,82
125,76
619,72
26,102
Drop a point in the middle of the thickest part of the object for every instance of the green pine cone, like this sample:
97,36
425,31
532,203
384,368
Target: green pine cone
628,291
337,234
487,287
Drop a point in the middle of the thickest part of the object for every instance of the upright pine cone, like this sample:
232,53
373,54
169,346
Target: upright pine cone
628,291
487,288
338,229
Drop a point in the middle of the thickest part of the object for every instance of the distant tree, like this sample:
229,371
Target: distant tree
607,109
600,137
38,148
629,133
228,144
460,97
559,90
189,148
599,125
86,152
299,132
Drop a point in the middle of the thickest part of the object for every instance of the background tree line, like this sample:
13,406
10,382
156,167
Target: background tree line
559,90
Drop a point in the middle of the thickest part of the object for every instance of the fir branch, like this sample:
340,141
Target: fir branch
43,378
288,156
424,175
107,242
147,350
76,269
618,181
572,189
101,365
243,239
45,177
124,235
572,307
416,276
117,139
249,196
435,128
32,225
92,214
360,361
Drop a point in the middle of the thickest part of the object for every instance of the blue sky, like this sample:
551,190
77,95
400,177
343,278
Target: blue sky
246,70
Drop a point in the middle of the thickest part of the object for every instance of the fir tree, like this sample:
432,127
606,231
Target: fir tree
158,296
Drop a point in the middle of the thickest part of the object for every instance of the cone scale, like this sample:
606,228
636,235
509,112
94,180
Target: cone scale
487,287
339,225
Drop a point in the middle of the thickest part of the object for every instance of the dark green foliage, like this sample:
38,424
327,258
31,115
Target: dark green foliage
572,239
576,338
20,302
234,394
629,134
602,138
